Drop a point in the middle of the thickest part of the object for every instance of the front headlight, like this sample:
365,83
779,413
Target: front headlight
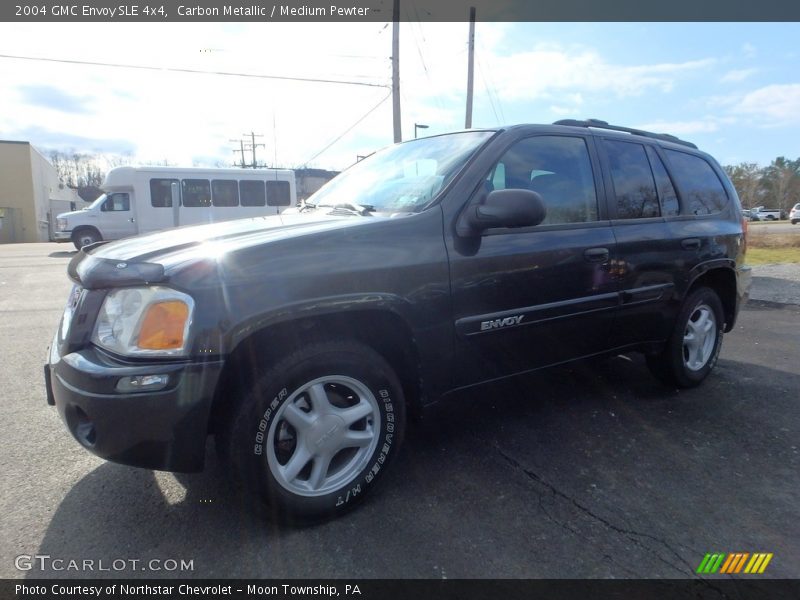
146,321
61,224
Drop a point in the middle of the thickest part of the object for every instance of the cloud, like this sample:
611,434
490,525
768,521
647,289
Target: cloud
737,75
681,127
47,139
48,96
749,50
773,105
546,72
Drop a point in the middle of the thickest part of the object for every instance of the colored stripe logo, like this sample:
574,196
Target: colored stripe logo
728,564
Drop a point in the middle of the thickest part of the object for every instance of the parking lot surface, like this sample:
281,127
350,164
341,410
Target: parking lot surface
593,470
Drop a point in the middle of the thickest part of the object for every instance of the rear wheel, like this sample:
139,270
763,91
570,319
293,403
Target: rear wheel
84,237
315,431
692,350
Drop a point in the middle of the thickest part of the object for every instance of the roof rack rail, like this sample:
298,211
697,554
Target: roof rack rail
597,123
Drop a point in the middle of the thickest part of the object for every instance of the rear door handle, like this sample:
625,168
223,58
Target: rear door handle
691,244
598,255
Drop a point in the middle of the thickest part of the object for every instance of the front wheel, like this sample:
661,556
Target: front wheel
85,237
316,431
693,348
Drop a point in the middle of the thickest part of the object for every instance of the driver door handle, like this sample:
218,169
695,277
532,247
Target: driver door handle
598,255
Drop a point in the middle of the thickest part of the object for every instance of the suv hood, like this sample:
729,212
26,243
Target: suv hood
148,258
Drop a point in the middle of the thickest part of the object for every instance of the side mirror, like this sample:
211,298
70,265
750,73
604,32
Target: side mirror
507,208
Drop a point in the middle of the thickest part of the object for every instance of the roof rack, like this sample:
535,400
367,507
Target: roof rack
597,123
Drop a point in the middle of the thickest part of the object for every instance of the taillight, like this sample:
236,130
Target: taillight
744,234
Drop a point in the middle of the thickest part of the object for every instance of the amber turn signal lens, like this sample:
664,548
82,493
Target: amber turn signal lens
163,326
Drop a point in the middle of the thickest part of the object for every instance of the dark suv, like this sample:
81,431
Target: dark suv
302,341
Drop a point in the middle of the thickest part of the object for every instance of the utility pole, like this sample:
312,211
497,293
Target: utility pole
253,146
241,150
470,67
398,135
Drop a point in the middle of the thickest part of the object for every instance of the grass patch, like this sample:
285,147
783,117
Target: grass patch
762,239
765,256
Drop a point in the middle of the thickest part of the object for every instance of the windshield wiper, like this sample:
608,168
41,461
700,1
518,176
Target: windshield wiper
343,208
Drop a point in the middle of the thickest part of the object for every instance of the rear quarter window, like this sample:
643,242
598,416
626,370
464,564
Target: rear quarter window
701,190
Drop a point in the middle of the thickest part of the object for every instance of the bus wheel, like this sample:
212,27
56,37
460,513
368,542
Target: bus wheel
84,237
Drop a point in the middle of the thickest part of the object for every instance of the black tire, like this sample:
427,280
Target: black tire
314,387
84,237
795,221
685,360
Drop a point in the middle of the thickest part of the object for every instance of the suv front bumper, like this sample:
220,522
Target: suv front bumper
62,236
163,429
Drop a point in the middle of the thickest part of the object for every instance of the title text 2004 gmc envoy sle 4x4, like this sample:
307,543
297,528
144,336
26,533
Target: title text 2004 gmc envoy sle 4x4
302,341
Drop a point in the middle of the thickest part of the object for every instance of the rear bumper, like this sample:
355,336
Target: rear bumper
163,430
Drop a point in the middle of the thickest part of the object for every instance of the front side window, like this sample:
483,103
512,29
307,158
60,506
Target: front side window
634,186
161,192
700,188
558,168
116,202
196,192
225,192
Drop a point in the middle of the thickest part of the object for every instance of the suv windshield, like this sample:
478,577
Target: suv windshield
404,177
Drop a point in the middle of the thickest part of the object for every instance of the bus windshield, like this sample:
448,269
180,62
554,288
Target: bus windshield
100,199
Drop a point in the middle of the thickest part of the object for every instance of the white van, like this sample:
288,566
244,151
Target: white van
145,199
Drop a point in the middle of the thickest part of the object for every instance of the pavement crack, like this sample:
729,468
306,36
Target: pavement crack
634,536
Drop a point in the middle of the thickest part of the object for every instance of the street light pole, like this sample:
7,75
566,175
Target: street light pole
418,126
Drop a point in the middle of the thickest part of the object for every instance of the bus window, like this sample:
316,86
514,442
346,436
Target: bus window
252,193
224,192
196,192
161,192
278,193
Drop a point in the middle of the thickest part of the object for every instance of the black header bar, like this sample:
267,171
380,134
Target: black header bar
332,11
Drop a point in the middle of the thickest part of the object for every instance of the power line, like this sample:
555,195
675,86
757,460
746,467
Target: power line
192,71
349,129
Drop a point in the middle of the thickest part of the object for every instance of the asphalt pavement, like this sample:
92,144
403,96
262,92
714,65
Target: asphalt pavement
594,470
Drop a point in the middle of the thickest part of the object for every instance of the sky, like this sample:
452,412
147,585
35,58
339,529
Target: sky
732,88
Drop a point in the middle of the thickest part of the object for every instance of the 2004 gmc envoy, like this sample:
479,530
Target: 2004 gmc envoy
301,341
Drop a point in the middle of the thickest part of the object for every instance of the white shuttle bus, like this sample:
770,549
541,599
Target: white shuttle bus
145,199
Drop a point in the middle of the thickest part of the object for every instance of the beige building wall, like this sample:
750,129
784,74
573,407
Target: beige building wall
31,195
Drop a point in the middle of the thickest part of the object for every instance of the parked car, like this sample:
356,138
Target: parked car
767,214
794,214
303,341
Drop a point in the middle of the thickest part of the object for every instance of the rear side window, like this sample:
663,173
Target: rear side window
252,193
161,192
634,186
666,191
278,193
225,192
196,192
558,168
700,188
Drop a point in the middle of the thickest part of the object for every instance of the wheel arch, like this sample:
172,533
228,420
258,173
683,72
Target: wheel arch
383,330
720,277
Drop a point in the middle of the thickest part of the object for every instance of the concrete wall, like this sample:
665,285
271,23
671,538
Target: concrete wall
31,195
16,193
